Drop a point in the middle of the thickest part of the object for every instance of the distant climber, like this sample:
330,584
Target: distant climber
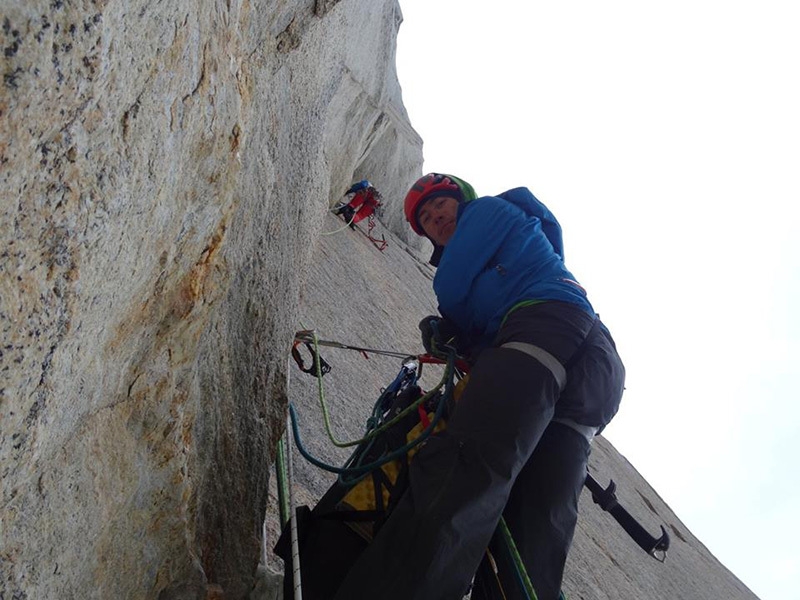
545,378
363,201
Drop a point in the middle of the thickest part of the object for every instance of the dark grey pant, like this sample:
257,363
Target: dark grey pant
541,513
462,479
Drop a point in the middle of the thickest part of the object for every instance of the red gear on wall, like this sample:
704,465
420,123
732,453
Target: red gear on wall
364,203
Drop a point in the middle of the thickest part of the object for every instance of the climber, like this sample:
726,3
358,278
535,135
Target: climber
363,200
545,378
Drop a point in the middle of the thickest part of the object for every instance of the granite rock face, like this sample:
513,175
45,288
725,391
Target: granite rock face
165,168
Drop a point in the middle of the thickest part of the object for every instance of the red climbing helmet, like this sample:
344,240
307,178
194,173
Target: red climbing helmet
427,186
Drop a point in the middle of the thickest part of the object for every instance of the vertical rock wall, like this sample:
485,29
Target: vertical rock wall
165,168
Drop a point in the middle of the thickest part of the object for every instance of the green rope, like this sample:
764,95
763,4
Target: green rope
350,475
283,484
353,469
522,572
448,373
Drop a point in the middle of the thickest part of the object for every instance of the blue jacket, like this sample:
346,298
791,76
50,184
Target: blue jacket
504,250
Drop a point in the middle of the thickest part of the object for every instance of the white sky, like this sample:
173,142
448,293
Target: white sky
666,139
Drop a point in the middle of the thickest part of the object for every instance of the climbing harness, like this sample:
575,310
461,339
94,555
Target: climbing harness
370,482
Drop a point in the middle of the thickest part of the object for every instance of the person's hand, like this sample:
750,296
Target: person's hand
428,328
437,334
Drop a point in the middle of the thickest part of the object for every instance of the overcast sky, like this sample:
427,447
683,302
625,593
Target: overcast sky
665,137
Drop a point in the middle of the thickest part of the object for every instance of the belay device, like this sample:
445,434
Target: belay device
336,531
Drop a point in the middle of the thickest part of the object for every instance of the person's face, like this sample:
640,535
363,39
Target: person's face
437,217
